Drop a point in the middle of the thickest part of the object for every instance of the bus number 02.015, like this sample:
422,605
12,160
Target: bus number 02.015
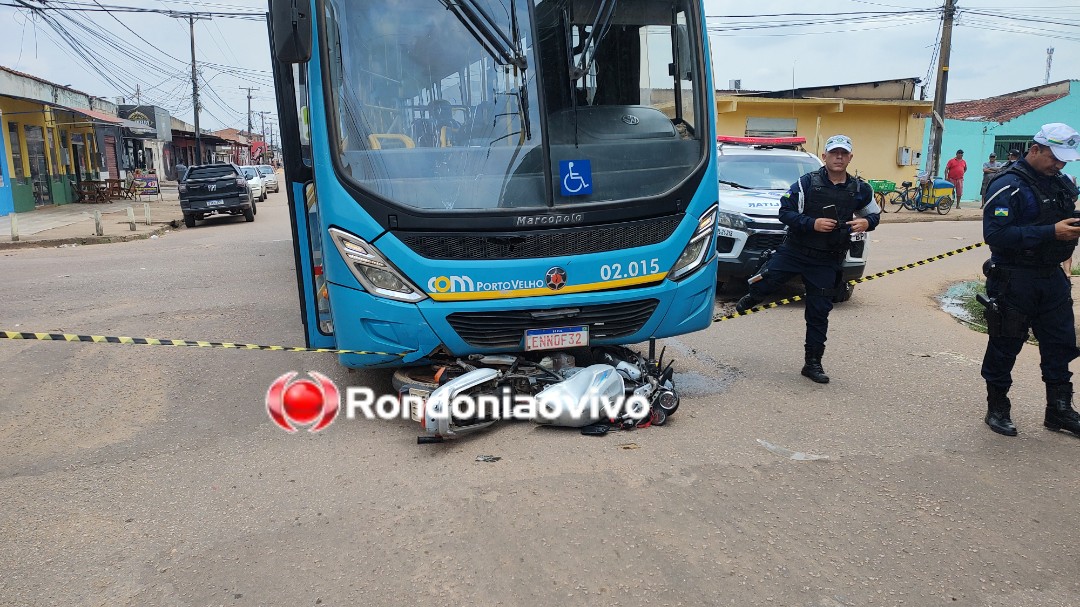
633,269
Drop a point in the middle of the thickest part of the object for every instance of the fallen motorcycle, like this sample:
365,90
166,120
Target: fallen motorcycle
622,389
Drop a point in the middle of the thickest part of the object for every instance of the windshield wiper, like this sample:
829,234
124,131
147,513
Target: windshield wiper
592,42
476,19
736,185
482,27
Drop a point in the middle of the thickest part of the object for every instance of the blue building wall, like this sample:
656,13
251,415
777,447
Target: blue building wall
976,138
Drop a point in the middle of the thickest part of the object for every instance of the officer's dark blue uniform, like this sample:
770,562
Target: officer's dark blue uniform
816,256
1027,288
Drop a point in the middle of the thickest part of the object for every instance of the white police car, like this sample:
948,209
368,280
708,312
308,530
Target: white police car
754,173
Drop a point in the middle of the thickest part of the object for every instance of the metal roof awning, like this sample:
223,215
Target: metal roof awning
98,117
95,117
206,138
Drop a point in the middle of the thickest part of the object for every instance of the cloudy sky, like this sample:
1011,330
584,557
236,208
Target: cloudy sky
998,47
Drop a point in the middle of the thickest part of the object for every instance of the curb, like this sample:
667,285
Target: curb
889,218
89,240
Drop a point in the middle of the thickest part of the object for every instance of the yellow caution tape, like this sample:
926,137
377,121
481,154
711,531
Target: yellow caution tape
789,300
149,341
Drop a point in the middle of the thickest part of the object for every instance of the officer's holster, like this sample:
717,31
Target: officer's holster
1002,320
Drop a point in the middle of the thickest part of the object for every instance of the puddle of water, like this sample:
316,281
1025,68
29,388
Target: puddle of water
952,301
696,384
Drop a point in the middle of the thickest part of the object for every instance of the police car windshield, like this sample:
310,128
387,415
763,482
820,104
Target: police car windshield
764,172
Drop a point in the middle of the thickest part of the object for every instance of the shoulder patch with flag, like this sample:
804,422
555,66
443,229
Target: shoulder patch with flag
1001,212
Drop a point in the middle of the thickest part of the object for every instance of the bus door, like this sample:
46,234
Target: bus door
291,83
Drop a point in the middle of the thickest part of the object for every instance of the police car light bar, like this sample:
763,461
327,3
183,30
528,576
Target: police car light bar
761,140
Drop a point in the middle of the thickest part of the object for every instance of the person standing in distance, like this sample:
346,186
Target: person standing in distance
1028,223
989,169
823,210
954,173
1014,156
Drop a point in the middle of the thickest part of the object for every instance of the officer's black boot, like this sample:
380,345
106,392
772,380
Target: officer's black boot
748,301
812,368
997,410
1060,414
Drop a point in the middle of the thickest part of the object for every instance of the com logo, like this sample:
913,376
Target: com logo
307,402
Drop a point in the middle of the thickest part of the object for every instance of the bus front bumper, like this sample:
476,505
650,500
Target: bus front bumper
397,334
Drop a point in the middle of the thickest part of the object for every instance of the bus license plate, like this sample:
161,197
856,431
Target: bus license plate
557,338
214,203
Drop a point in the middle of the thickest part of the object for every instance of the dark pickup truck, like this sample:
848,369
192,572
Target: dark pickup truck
215,189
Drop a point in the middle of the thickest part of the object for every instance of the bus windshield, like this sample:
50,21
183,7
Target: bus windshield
443,106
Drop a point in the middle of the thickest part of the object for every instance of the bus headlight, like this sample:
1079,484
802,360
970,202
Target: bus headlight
377,275
693,256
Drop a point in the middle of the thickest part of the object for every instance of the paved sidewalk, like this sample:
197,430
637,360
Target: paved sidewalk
968,212
74,223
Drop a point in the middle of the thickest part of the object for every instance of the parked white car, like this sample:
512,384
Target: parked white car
270,177
255,182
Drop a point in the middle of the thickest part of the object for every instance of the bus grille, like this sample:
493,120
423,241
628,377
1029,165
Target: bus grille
507,329
541,243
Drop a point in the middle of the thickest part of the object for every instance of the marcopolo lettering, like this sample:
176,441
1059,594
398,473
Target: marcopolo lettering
548,220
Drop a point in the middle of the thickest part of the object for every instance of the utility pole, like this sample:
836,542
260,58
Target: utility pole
1049,60
191,18
933,162
248,89
262,117
272,144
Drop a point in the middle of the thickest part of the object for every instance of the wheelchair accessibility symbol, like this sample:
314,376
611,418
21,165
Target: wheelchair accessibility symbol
576,176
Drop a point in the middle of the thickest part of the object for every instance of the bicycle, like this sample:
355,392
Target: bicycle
925,196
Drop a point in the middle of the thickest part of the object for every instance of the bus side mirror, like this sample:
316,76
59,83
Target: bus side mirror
290,30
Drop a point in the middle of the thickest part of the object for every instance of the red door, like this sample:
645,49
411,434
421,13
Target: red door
110,157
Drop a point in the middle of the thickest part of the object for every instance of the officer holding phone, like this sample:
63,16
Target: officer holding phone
1029,222
823,211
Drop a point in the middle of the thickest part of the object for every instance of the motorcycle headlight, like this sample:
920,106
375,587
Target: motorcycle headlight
732,220
695,253
372,270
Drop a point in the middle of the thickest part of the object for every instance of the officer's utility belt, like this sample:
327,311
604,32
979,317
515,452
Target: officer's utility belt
815,253
999,271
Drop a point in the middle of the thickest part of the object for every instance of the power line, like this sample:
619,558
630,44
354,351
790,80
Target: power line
109,56
62,5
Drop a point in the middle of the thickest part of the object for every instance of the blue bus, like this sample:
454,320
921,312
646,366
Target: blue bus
491,176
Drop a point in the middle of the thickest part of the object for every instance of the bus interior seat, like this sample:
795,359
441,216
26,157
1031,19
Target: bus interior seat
390,141
482,123
424,132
